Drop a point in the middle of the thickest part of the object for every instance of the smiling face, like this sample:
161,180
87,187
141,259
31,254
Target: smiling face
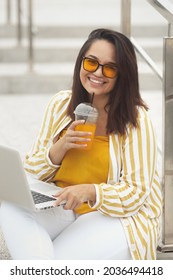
104,52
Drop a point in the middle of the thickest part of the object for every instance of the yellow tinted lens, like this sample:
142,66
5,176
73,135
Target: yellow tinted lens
109,71
90,65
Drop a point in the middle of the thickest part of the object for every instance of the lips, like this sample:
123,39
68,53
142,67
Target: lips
96,81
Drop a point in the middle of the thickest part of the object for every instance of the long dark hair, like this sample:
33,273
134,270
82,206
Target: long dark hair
125,96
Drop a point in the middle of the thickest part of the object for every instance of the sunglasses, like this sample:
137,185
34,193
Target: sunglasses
91,65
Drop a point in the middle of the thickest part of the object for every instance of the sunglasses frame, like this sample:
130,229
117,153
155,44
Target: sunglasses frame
99,64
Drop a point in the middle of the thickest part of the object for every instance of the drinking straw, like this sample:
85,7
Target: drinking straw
92,98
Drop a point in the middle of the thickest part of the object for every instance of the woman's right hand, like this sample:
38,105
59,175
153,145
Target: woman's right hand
68,141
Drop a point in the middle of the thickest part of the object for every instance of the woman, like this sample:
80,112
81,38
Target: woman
112,192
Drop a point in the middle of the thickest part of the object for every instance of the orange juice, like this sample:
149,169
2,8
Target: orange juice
89,127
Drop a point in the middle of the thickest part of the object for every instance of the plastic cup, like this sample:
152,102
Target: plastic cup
85,111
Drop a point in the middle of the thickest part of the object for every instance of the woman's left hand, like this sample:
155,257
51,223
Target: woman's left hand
75,195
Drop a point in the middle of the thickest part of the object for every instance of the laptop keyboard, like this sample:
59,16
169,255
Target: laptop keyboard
40,198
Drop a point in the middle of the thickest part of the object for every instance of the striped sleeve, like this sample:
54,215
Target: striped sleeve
125,197
37,161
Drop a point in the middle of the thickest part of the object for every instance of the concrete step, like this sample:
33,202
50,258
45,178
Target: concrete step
59,31
46,78
85,12
72,31
61,49
45,50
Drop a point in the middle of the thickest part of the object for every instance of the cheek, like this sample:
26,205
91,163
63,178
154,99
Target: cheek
112,84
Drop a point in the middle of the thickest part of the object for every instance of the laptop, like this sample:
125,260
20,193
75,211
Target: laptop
19,188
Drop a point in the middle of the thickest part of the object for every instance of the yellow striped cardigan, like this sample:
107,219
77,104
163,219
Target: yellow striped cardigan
132,192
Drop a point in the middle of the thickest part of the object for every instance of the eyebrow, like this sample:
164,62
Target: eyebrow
95,57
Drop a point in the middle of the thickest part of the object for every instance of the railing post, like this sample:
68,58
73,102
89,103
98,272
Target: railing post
167,238
30,35
19,28
8,11
169,29
126,17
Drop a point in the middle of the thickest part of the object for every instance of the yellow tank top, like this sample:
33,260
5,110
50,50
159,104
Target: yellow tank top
81,166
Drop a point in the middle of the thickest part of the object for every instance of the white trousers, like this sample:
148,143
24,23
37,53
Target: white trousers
60,234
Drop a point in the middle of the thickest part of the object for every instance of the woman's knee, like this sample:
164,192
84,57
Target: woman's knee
93,236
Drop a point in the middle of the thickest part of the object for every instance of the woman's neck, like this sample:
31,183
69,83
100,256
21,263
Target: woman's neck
100,102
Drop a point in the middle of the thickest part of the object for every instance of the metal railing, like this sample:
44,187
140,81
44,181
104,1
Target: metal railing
165,8
126,29
30,34
8,9
19,26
